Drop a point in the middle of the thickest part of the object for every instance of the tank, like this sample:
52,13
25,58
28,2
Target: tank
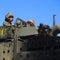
25,42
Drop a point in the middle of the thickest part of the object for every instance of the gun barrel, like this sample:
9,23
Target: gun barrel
20,20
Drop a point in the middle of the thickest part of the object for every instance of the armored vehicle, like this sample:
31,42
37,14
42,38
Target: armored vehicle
25,42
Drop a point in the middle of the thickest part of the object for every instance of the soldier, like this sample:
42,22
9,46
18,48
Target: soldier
31,22
8,19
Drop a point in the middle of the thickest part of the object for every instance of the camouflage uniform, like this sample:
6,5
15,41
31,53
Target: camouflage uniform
7,22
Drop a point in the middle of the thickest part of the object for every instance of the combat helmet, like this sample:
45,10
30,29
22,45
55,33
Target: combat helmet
9,15
31,21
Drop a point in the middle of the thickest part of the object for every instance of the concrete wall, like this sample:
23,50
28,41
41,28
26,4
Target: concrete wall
6,50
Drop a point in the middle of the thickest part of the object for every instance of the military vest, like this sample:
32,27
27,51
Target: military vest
7,24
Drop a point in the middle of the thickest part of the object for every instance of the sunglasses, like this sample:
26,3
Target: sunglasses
10,17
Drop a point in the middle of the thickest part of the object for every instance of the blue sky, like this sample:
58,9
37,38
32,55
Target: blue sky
41,11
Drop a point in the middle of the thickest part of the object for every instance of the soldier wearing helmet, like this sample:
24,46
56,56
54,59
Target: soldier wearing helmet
31,22
8,19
